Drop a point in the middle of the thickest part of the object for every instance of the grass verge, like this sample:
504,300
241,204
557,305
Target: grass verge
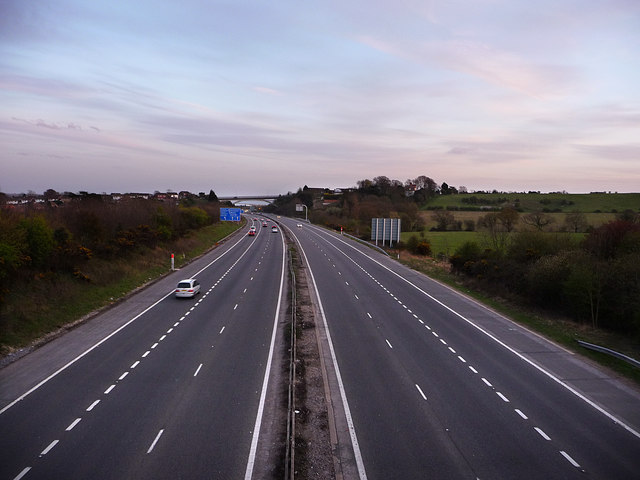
50,301
560,330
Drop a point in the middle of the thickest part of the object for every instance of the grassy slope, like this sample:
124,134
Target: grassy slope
560,330
56,301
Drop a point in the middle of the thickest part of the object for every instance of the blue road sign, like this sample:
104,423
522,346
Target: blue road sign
230,214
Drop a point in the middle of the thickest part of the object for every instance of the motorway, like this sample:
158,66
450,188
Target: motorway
156,387
435,385
424,382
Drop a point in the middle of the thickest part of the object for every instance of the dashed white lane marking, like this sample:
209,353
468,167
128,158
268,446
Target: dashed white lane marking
170,330
502,396
568,457
197,370
93,405
48,449
123,375
504,399
356,296
145,354
155,441
162,338
421,392
22,473
235,306
369,315
221,330
73,424
154,345
135,364
542,434
176,324
108,390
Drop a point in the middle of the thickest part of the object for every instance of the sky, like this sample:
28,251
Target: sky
252,97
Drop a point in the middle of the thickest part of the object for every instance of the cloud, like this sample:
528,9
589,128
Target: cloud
479,60
52,125
269,91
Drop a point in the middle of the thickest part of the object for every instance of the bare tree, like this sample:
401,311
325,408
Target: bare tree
576,221
508,218
443,219
538,220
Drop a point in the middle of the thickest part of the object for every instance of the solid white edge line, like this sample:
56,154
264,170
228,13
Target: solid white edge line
352,430
122,327
498,341
155,440
265,382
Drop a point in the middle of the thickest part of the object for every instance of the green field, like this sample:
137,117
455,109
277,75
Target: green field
446,243
593,219
530,202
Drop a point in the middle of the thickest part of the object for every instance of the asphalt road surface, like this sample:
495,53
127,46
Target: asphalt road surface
156,387
424,382
437,386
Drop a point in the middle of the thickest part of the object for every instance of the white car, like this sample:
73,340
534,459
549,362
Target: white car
188,288
299,225
274,229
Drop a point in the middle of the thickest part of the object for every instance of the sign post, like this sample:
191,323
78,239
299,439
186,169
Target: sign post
172,264
306,210
384,229
230,214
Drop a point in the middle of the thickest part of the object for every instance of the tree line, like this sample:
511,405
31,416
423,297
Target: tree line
61,239
595,280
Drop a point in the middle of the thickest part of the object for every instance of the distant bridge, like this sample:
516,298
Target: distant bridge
244,198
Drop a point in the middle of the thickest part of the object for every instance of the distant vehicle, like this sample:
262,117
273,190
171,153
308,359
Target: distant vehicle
252,228
188,287
299,225
274,229
252,233
264,224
